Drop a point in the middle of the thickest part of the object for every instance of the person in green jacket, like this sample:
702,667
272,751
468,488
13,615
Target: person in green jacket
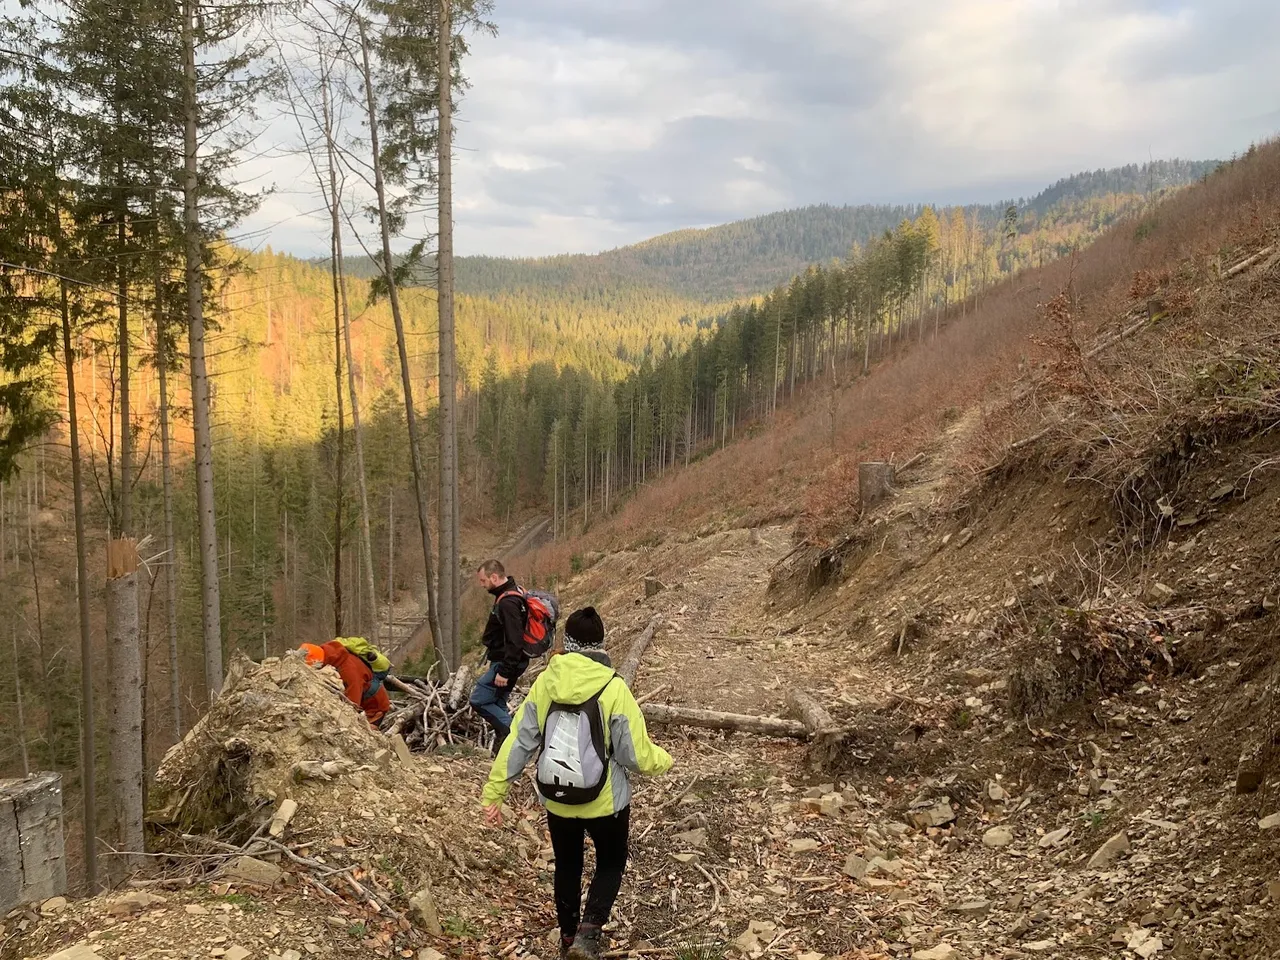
588,734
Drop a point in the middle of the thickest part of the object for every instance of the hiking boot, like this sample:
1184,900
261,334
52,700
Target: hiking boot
500,734
565,944
588,944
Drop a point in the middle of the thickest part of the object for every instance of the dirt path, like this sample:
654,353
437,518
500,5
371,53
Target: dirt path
949,833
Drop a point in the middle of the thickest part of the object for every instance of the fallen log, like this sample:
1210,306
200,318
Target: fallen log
826,738
918,458
458,686
808,711
715,720
631,665
395,683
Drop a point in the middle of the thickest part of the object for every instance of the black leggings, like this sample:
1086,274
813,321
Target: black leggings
609,835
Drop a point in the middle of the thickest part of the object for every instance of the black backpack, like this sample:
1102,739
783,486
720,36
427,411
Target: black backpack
574,764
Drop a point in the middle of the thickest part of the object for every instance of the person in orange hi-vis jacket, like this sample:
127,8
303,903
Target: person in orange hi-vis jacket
357,678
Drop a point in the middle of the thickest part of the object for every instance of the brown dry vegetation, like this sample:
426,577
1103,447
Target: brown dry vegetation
790,467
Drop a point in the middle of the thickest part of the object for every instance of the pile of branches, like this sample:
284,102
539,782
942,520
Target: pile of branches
431,714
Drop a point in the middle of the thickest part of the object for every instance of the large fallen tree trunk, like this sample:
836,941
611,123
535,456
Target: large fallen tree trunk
826,739
631,665
714,720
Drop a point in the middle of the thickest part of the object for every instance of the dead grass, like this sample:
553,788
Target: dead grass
1016,356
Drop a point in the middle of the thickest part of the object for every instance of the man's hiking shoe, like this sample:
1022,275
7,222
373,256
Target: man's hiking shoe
565,944
588,944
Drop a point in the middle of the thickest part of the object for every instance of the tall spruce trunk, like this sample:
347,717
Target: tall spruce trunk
339,483
125,518
88,772
411,418
370,625
124,653
170,546
449,507
210,599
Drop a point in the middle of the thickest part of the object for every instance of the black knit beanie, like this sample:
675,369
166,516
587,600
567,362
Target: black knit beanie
583,630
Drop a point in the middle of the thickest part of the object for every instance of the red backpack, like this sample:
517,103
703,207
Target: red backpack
541,611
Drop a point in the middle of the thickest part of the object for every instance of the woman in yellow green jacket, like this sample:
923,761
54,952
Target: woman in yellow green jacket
588,734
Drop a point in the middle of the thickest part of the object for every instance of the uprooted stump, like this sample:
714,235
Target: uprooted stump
1101,650
275,724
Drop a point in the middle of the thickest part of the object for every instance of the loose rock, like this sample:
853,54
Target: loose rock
997,837
252,870
1055,838
855,867
1109,851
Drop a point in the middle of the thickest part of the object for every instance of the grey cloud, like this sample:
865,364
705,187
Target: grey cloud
597,122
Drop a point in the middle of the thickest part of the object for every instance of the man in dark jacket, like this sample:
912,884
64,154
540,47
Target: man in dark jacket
504,646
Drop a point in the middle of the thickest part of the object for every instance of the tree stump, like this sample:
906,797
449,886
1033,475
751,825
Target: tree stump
875,482
631,666
32,857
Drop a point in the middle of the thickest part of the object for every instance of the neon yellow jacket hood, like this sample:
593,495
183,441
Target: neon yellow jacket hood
576,678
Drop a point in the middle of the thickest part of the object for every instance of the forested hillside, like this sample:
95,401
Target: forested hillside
749,257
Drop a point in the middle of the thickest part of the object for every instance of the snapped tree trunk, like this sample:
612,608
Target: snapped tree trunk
411,418
826,739
210,606
124,653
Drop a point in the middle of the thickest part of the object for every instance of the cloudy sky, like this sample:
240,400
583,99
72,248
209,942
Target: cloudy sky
595,123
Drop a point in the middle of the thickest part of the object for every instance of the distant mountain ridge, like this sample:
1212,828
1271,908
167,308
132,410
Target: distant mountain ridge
748,257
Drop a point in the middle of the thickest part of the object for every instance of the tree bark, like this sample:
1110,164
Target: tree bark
458,686
631,665
125,718
122,297
170,546
17,693
875,482
210,607
339,484
88,755
411,417
362,483
449,547
715,720
826,738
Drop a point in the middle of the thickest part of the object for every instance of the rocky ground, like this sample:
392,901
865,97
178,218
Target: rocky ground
952,828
